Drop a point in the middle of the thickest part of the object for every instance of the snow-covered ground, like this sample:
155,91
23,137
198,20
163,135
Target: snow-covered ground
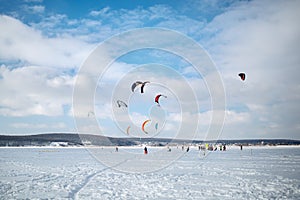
103,173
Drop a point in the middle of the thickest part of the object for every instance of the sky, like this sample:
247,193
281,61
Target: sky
45,45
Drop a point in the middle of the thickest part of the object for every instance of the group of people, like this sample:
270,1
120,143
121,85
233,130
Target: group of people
200,148
145,150
208,147
187,149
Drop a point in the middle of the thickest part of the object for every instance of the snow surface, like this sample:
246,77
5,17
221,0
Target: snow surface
103,173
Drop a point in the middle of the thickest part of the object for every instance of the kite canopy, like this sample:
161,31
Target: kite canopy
143,85
137,83
121,103
134,85
143,125
242,76
127,131
156,126
157,98
91,113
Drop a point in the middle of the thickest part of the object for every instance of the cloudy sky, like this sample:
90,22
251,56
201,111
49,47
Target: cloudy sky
45,43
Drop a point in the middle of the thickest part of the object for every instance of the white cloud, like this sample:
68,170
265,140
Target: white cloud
155,16
103,11
34,9
21,42
259,38
34,1
138,118
34,91
27,125
38,126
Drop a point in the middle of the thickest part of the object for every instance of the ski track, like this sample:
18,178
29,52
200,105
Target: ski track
73,193
78,188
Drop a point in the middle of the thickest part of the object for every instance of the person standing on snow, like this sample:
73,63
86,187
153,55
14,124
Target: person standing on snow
188,148
145,150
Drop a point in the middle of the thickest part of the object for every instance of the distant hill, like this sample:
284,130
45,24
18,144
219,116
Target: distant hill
71,139
62,138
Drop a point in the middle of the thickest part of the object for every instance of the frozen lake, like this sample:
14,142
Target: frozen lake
75,173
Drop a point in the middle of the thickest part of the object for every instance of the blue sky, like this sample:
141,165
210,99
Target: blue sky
43,45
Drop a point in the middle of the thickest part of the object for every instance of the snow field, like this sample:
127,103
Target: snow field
74,173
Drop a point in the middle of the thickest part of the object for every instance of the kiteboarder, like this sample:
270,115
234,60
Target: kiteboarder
169,149
145,150
188,148
242,76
